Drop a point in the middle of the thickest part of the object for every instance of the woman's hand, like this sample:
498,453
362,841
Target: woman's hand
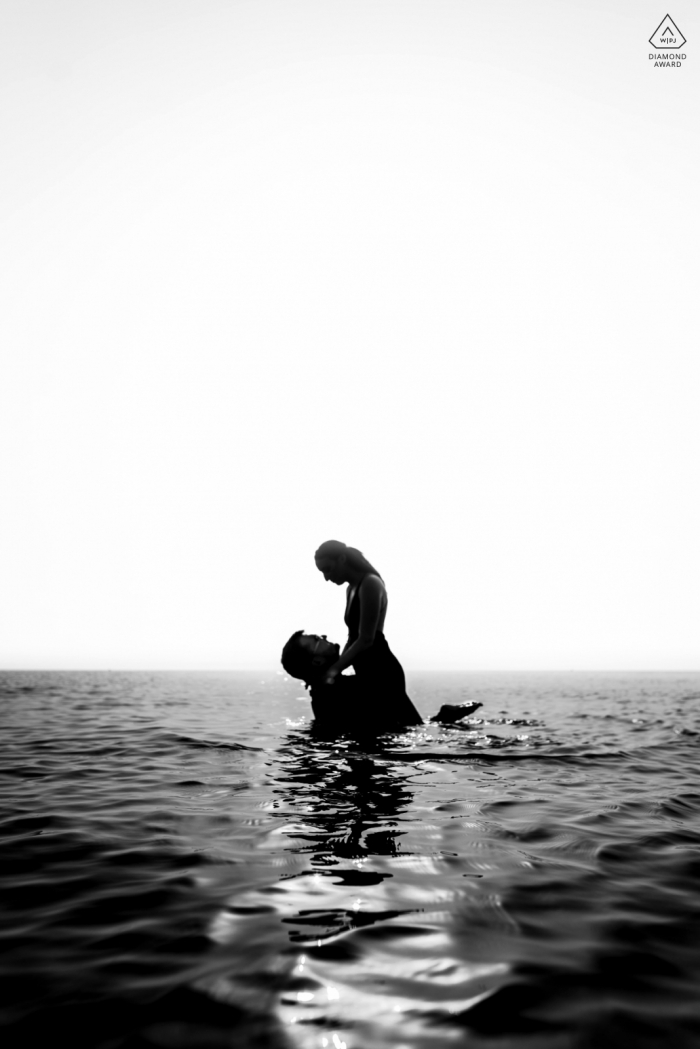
331,675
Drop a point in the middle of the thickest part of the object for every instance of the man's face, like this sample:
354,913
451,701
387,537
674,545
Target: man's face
323,652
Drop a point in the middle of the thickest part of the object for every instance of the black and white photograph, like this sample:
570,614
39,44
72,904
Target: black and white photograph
349,539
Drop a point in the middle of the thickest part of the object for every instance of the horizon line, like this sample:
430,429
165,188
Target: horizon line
275,670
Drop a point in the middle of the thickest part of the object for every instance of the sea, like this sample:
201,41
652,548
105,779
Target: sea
186,864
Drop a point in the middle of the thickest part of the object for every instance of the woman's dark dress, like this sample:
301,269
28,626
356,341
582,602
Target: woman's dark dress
380,680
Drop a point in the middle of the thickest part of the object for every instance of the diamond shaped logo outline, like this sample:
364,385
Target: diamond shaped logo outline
672,28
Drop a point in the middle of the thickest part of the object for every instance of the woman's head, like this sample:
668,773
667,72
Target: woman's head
340,563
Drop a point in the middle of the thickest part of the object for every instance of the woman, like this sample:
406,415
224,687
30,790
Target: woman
379,674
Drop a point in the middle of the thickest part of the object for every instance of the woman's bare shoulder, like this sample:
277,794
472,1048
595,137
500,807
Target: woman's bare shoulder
373,583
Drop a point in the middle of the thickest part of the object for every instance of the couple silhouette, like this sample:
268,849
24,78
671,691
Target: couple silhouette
374,699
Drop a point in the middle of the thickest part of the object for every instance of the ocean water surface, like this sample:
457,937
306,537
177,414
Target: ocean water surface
186,865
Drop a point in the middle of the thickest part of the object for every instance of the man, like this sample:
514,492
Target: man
344,704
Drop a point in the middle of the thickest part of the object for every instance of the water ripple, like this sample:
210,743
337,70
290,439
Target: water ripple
186,863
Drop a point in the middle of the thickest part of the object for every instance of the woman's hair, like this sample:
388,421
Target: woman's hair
295,660
333,548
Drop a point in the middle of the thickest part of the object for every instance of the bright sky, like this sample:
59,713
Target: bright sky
419,275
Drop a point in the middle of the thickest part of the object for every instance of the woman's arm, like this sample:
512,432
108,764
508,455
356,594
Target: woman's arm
371,594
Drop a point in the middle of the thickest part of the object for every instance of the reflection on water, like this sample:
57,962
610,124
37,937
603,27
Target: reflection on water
186,863
362,944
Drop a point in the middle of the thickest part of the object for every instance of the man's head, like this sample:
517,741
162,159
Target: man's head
308,656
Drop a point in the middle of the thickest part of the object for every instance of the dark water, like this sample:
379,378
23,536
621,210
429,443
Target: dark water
185,865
